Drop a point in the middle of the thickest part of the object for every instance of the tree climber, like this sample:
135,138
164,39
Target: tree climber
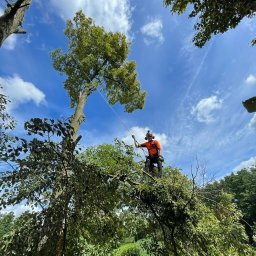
154,152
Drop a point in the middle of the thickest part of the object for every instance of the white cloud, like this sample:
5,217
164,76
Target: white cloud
205,108
10,42
250,80
153,31
113,15
245,164
20,91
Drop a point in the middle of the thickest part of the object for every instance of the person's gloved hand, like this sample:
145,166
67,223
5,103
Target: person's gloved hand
161,158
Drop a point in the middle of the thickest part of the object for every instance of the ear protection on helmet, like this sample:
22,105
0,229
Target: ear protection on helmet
147,137
149,134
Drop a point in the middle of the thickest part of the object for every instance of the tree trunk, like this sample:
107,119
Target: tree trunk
61,194
11,20
76,121
78,116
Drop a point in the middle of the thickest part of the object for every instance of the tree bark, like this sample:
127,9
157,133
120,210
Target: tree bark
11,20
78,116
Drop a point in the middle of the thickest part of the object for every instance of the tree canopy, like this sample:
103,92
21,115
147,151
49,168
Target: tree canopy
97,58
213,17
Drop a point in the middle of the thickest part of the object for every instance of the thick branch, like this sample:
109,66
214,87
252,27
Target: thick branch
11,21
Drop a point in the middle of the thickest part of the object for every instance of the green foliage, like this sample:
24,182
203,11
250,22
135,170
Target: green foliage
91,188
94,58
102,201
129,249
38,169
214,17
20,238
242,186
6,222
179,223
34,163
7,123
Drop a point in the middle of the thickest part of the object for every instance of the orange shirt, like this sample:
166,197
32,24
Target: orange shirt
152,147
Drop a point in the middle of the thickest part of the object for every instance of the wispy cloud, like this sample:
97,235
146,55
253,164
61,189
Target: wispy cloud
251,80
10,42
196,73
188,48
153,32
252,123
205,109
113,15
20,91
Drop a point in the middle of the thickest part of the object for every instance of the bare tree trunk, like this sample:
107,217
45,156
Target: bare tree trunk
11,20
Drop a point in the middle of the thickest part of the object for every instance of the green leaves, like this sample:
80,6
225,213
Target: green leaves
242,186
122,86
214,17
21,235
101,209
96,57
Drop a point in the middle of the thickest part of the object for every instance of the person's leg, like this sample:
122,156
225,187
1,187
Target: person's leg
147,164
151,165
159,166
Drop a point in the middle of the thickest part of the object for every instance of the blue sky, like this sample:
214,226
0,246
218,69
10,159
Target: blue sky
194,96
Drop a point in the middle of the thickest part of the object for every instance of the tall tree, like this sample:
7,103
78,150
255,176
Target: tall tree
214,17
12,19
97,58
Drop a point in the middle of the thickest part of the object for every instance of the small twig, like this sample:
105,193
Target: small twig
8,4
149,175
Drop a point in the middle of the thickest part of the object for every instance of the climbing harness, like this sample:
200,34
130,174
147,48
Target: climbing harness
148,168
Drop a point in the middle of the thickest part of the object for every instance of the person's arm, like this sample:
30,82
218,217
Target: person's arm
136,144
159,150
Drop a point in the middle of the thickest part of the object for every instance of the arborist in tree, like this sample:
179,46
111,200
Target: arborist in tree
154,152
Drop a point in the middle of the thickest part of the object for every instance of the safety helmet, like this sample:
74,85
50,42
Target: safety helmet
149,135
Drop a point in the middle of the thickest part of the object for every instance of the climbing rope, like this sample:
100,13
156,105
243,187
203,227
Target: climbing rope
119,118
